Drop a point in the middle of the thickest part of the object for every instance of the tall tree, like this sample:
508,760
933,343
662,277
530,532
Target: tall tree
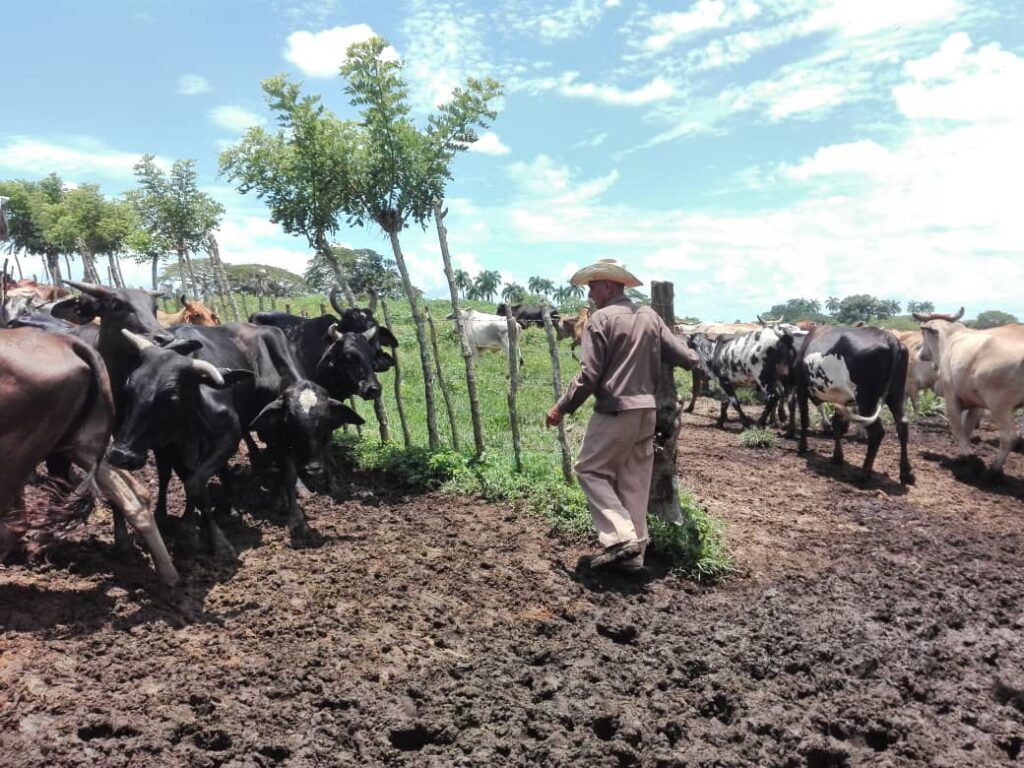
541,286
486,283
402,171
920,306
832,304
463,282
31,209
306,172
513,292
175,212
992,318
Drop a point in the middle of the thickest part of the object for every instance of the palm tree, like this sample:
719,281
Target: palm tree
576,291
832,304
540,286
512,292
486,284
463,282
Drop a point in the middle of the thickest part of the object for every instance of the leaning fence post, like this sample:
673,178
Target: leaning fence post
556,380
445,391
513,387
663,500
398,379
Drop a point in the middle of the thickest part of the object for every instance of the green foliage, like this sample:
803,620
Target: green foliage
485,285
540,285
170,206
930,404
919,306
795,310
863,307
29,211
992,318
757,438
364,268
698,547
251,279
513,293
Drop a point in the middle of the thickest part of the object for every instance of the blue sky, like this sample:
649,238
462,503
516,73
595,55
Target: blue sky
749,151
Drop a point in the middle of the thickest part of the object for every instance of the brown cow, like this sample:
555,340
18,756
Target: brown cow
39,292
573,328
55,401
192,313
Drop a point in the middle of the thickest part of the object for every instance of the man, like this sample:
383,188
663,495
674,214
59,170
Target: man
624,347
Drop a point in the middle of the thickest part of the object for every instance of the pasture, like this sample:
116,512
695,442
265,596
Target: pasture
857,625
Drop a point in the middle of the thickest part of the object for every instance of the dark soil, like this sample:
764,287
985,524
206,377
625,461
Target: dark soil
865,626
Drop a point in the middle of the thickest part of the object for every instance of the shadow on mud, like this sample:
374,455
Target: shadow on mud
616,580
974,472
851,474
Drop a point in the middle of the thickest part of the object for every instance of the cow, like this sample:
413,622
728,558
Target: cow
701,376
191,312
760,359
527,315
192,412
484,331
866,367
55,400
573,328
977,369
40,293
921,374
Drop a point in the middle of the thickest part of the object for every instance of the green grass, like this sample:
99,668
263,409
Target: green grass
757,438
540,488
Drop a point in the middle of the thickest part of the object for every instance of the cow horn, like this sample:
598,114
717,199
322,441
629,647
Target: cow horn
334,333
184,302
96,291
369,333
333,296
141,342
924,317
208,371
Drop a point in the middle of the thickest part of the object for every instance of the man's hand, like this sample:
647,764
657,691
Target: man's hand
554,417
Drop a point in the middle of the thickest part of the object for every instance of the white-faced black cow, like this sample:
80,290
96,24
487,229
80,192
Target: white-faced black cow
865,367
55,400
759,359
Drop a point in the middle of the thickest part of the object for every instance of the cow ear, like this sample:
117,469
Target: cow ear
342,414
184,302
269,420
184,346
233,376
76,309
387,338
383,362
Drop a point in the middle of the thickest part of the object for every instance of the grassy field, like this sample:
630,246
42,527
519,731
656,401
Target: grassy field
540,487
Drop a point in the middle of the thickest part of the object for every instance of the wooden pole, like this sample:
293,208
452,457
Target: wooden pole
352,405
556,381
513,388
445,390
398,380
467,352
663,501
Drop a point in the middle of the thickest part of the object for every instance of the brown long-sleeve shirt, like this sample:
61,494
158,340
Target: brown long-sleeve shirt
624,347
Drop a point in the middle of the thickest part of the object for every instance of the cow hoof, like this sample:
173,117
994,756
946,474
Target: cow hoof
907,478
802,448
994,476
837,459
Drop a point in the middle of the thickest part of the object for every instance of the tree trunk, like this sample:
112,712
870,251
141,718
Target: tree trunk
421,339
324,249
513,388
440,380
556,380
67,265
467,353
155,264
220,276
398,379
663,501
192,276
115,276
181,271
17,263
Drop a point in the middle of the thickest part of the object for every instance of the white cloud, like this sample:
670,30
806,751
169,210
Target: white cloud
192,85
234,118
857,18
320,54
858,157
79,156
669,28
489,144
657,89
592,141
543,178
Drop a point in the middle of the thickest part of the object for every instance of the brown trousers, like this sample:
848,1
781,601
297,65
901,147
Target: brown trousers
614,470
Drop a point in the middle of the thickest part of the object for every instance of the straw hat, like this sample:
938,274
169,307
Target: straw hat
605,269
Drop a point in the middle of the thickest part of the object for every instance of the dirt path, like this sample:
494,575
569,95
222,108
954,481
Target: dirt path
865,627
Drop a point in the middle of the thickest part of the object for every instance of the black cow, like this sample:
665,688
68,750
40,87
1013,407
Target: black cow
863,366
528,314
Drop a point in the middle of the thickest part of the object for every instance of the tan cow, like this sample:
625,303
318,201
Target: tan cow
977,369
573,328
921,374
192,312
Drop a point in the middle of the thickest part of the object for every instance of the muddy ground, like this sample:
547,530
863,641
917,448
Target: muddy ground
864,626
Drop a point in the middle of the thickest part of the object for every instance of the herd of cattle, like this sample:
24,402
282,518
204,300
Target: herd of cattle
101,379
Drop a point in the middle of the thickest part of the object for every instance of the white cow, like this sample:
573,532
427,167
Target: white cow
921,374
484,331
977,370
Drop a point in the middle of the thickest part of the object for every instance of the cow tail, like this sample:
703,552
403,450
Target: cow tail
888,385
99,389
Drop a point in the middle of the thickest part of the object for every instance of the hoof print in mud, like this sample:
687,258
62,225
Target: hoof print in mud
827,757
623,633
411,737
212,741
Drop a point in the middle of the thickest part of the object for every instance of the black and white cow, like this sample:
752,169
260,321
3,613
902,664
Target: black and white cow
759,359
865,367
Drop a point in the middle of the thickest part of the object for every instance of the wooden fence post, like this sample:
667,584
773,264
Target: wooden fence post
663,500
445,391
287,308
352,405
398,380
323,309
513,387
556,380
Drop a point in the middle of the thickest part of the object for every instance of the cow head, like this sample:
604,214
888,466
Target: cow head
197,313
934,325
163,397
346,367
357,320
119,308
302,421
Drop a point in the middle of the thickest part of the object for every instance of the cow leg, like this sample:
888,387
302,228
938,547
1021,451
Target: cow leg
163,472
1007,439
839,425
769,412
955,417
730,394
130,499
723,414
971,419
198,494
59,467
253,450
298,529
805,418
897,406
826,425
698,383
875,432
